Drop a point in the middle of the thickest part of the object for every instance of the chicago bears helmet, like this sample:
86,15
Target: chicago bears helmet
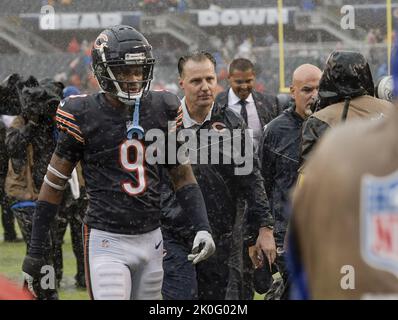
119,54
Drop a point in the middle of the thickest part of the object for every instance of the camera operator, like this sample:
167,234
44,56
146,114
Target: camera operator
30,141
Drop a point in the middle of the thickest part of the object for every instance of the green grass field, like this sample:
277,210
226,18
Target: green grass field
12,254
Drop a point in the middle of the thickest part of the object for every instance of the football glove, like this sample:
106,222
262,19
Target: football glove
203,247
31,271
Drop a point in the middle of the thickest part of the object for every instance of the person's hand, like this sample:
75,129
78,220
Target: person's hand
256,256
203,247
266,244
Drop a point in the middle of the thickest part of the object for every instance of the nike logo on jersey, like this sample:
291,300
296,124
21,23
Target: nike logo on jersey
158,245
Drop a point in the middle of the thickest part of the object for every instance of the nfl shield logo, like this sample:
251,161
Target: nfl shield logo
379,222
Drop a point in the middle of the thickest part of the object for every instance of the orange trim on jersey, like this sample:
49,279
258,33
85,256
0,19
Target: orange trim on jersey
66,129
66,114
70,124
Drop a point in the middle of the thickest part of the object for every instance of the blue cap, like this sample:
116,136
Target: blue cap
70,91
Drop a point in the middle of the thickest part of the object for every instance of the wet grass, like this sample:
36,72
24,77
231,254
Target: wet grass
12,254
11,257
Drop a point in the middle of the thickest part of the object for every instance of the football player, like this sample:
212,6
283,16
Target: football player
105,131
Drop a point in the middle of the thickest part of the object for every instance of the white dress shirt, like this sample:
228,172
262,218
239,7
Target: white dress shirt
188,121
252,116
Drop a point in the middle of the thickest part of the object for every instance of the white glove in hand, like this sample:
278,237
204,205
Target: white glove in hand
205,240
28,283
74,185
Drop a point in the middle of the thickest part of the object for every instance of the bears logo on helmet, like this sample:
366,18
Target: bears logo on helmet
101,41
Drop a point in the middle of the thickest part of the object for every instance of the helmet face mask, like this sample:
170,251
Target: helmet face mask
123,63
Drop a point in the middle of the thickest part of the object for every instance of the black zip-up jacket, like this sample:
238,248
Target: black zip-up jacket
279,153
220,188
313,130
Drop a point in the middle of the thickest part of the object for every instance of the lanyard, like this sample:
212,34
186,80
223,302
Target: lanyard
135,128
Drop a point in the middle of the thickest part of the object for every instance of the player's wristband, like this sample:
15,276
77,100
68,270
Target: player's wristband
192,203
42,218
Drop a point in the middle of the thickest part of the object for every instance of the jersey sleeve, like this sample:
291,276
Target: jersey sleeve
70,143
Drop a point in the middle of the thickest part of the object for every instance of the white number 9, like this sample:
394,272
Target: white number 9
136,166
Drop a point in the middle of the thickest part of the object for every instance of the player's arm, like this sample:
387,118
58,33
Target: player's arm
191,200
51,192
52,189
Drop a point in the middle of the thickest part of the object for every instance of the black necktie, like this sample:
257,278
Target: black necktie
243,111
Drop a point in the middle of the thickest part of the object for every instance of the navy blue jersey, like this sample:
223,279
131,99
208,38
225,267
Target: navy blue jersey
122,187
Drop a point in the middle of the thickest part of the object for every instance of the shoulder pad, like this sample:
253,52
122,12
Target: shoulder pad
74,104
68,114
166,99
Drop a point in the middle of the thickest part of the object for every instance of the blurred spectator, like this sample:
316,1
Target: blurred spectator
308,5
182,6
159,6
379,36
371,37
269,39
74,80
245,50
73,46
382,70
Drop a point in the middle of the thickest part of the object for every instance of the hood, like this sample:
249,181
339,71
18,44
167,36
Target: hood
347,74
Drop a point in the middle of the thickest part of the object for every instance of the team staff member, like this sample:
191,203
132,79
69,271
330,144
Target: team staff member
280,152
256,109
220,185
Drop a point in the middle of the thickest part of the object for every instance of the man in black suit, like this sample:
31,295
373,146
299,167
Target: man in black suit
256,109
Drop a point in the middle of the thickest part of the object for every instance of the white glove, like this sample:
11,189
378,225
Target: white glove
28,284
202,238
74,185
